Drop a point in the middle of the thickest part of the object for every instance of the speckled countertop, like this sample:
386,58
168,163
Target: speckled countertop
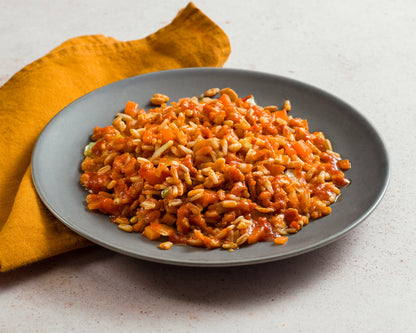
361,51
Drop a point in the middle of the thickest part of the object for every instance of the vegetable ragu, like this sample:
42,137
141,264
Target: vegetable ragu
211,172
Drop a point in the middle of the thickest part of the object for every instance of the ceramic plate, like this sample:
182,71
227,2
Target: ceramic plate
59,152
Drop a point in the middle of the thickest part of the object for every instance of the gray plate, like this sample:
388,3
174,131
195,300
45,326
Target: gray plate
58,154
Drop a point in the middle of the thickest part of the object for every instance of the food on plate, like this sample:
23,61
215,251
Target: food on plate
211,172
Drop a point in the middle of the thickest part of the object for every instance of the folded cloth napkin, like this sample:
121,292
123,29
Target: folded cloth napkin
28,231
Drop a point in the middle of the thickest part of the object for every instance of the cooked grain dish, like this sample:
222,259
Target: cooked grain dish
211,172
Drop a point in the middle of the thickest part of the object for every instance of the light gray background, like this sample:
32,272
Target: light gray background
359,50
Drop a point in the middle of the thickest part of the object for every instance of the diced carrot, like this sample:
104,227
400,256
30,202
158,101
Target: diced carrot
131,108
256,235
289,150
167,135
225,99
148,136
280,240
150,233
282,114
344,164
301,148
275,169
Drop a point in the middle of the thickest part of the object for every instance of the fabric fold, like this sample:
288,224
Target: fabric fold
28,232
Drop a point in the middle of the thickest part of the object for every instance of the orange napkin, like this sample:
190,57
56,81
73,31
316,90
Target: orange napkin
28,232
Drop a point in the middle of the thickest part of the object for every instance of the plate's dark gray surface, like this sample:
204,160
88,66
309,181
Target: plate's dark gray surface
58,153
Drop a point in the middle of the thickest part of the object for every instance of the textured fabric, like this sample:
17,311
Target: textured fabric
28,232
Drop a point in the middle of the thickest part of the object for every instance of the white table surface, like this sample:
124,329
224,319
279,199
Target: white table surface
359,50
